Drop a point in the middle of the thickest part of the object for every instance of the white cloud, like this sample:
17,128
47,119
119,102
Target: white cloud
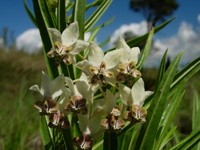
187,39
136,28
29,41
198,18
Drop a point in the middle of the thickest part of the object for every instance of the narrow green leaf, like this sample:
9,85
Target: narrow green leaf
167,138
147,133
93,4
168,116
61,15
189,142
105,42
97,14
30,14
187,72
101,25
132,141
52,71
161,69
79,16
67,138
175,134
145,52
196,111
124,140
46,135
46,13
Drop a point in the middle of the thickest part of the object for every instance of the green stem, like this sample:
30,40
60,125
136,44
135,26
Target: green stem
67,138
110,141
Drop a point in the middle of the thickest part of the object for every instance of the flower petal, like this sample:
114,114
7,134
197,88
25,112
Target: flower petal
57,86
112,58
45,86
84,66
70,85
121,43
79,46
35,88
83,87
138,93
110,102
70,34
55,34
95,55
125,94
134,54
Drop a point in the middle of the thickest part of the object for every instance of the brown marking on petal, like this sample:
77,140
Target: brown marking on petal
50,106
120,77
94,79
68,49
139,113
120,123
110,73
77,104
137,74
84,142
92,69
67,60
132,65
52,53
103,65
104,123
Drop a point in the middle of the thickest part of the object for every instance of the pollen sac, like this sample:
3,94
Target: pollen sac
136,114
58,121
77,104
84,142
46,107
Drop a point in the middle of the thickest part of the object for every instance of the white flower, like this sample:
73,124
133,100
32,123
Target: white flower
105,106
50,88
134,98
90,125
128,61
128,54
67,44
80,93
98,66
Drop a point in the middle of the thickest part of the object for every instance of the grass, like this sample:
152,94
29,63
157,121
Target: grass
19,121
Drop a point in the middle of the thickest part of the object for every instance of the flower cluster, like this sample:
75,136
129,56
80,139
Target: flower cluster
109,92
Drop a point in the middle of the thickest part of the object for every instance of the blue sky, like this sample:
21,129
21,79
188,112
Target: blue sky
13,16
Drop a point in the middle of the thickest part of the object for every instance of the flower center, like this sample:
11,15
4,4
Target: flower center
100,73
